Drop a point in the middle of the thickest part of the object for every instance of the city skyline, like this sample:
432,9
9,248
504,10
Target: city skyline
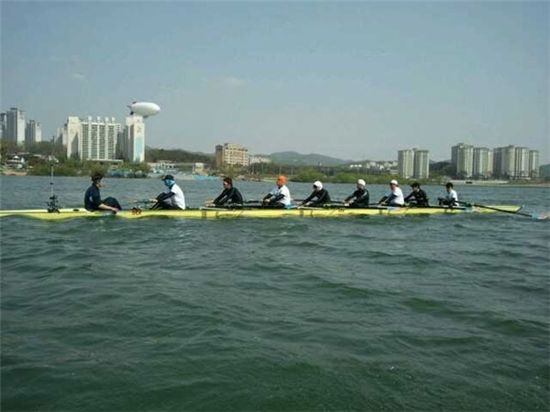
63,137
327,78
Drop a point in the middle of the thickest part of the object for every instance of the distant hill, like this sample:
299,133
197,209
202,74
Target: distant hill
312,159
176,155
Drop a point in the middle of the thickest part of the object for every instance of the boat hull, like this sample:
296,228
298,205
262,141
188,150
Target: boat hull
212,213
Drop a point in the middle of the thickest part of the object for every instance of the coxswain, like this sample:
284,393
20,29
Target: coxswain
451,199
318,197
279,197
417,197
394,197
359,198
173,198
92,197
230,196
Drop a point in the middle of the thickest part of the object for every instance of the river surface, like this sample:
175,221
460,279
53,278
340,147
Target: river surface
292,314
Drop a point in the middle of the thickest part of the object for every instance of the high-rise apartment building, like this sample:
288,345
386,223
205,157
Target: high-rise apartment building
462,159
3,125
15,126
71,136
413,163
521,164
405,163
33,132
231,154
482,166
421,164
89,139
504,162
132,142
533,163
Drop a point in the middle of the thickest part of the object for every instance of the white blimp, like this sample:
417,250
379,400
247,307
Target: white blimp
144,109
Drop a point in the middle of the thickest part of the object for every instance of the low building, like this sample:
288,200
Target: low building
232,154
255,159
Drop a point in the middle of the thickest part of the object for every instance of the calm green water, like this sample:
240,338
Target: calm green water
370,314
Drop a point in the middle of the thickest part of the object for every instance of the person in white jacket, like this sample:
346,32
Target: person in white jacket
173,198
279,197
394,197
451,199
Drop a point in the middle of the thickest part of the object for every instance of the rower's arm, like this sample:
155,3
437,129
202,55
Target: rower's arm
164,196
103,206
311,196
364,198
274,199
221,199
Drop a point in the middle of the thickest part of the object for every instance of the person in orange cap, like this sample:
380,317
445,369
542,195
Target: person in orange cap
279,197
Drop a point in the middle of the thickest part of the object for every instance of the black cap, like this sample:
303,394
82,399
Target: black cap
168,177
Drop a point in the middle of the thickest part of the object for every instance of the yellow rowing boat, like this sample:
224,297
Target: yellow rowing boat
214,213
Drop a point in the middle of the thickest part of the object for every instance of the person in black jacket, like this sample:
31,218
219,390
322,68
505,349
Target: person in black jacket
92,197
359,198
230,195
417,197
318,197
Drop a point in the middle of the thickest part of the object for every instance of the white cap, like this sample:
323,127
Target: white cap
318,184
361,182
394,182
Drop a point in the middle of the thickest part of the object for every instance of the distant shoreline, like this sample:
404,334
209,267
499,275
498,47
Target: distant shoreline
474,183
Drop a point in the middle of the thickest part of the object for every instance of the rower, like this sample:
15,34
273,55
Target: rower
173,198
230,196
394,197
92,197
318,197
359,198
451,199
279,197
417,197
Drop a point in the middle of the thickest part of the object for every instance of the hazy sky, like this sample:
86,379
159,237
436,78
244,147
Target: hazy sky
354,80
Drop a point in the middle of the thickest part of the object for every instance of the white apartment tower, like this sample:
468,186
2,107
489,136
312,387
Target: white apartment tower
421,164
504,162
405,163
521,165
462,158
89,139
482,167
71,136
533,163
33,132
413,163
132,145
3,125
15,125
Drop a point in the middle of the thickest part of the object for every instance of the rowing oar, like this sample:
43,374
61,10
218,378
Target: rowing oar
146,202
496,209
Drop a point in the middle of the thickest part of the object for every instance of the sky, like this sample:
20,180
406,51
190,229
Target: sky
354,80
